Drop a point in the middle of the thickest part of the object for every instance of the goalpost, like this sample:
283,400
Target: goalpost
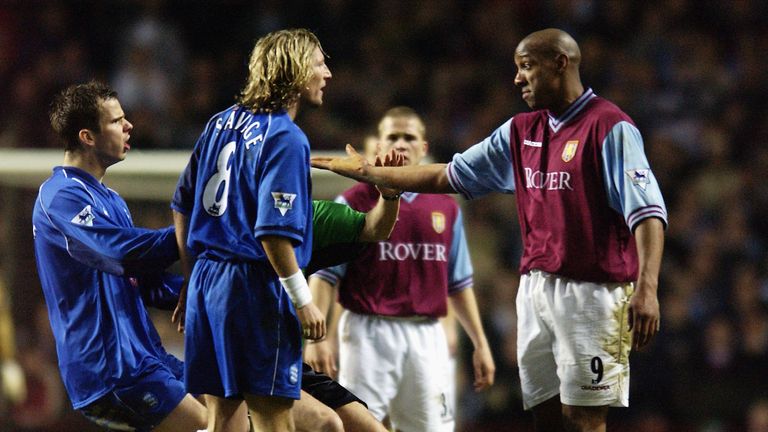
143,175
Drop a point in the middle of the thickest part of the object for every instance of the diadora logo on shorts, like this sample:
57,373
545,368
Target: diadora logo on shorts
283,201
85,217
639,177
532,143
603,387
570,150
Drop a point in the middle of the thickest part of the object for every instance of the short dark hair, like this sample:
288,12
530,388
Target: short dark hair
76,108
406,112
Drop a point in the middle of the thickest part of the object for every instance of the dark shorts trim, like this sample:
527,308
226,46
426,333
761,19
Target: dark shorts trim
325,389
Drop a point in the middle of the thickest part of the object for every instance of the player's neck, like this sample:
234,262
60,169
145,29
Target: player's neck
85,161
570,95
292,110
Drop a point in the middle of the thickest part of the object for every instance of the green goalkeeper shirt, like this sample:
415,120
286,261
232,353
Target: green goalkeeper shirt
335,234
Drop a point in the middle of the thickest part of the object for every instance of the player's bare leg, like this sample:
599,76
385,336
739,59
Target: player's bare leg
270,413
357,418
311,415
548,415
189,415
226,415
585,418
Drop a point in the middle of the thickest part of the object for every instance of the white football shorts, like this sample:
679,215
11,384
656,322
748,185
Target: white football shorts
573,340
398,367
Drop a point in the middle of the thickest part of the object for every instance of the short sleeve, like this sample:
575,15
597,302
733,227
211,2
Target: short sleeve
631,187
284,201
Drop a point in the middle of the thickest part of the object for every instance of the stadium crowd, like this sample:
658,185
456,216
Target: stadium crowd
688,72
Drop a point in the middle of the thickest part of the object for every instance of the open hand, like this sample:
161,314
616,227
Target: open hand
391,159
354,165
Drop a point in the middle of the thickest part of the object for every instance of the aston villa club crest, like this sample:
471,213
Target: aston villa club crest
438,222
283,201
570,150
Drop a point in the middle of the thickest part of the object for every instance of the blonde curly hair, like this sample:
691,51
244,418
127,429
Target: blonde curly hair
280,66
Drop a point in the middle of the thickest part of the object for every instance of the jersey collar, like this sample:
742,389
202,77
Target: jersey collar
409,196
85,176
576,107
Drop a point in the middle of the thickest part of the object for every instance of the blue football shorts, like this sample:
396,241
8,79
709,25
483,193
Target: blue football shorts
242,335
140,406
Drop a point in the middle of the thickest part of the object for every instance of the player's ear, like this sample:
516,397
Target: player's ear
426,147
562,61
87,137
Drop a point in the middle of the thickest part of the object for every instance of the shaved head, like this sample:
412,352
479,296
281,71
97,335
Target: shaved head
548,70
553,42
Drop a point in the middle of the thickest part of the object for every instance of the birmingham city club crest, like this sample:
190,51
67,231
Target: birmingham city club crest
438,222
570,150
283,201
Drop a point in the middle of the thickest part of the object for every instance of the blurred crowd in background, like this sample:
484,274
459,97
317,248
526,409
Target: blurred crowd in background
690,73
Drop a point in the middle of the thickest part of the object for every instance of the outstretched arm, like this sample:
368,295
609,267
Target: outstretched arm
429,178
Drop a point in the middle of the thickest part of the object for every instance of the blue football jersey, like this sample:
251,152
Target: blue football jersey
91,261
248,176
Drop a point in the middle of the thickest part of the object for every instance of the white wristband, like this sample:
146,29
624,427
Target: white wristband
297,288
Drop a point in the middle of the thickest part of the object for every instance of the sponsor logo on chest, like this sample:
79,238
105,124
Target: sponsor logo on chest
412,251
550,180
555,180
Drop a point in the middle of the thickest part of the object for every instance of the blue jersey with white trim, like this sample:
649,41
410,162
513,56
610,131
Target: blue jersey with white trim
91,261
248,177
